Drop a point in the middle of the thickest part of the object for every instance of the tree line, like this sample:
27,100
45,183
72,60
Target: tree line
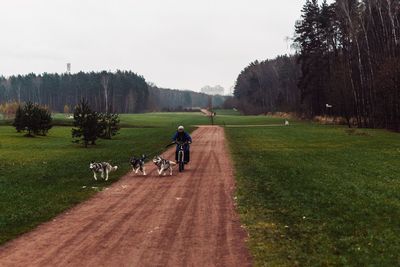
349,52
162,99
108,92
122,91
268,86
347,64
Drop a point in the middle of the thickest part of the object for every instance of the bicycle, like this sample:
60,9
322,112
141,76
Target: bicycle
181,155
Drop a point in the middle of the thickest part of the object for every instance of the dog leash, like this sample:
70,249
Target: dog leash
148,156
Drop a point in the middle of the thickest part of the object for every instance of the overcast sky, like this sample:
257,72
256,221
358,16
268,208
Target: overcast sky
173,43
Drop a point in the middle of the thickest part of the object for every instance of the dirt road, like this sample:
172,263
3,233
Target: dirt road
206,112
184,220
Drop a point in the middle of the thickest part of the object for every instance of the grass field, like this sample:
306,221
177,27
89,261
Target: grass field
227,112
156,119
314,195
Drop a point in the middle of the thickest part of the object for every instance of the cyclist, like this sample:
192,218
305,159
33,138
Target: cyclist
182,137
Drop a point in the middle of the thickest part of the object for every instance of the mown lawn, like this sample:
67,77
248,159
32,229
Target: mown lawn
172,119
314,195
154,120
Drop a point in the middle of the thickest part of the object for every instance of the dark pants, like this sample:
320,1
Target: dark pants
186,154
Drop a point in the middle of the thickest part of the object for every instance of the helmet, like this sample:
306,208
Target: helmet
181,128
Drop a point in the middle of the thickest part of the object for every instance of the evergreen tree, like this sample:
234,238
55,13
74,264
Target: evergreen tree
31,119
45,120
86,123
309,37
34,119
18,121
108,125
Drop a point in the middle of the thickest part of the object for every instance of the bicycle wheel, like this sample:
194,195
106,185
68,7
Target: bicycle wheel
180,161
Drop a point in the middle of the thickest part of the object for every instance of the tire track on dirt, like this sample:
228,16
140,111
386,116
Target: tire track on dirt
174,219
108,230
95,222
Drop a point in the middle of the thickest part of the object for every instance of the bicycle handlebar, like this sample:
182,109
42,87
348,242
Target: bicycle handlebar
178,143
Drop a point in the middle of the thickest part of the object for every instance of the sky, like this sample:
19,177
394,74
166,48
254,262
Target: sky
183,44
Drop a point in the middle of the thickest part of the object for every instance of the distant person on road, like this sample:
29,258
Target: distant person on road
182,137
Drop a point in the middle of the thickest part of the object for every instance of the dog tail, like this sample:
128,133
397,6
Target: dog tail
172,162
115,168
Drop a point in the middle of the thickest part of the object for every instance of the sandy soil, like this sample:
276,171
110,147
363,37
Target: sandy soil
187,219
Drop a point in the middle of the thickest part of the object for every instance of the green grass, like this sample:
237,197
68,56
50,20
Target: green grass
227,112
153,120
314,195
174,119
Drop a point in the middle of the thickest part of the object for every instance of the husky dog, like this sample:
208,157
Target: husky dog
138,164
163,165
103,167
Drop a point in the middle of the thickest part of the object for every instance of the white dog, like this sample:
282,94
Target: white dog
103,167
163,165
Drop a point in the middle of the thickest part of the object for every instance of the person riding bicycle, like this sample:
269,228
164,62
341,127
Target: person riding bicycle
182,137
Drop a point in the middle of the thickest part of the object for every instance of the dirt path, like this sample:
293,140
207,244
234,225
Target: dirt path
206,112
184,220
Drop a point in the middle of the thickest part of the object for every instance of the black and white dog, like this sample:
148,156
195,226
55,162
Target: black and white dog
138,164
102,168
163,165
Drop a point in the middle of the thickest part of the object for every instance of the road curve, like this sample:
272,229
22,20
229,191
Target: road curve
184,220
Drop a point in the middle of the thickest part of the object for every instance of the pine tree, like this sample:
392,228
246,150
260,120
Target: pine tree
108,125
45,120
18,123
34,119
313,66
31,119
86,122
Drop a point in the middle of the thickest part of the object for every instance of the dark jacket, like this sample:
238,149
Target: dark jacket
182,137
